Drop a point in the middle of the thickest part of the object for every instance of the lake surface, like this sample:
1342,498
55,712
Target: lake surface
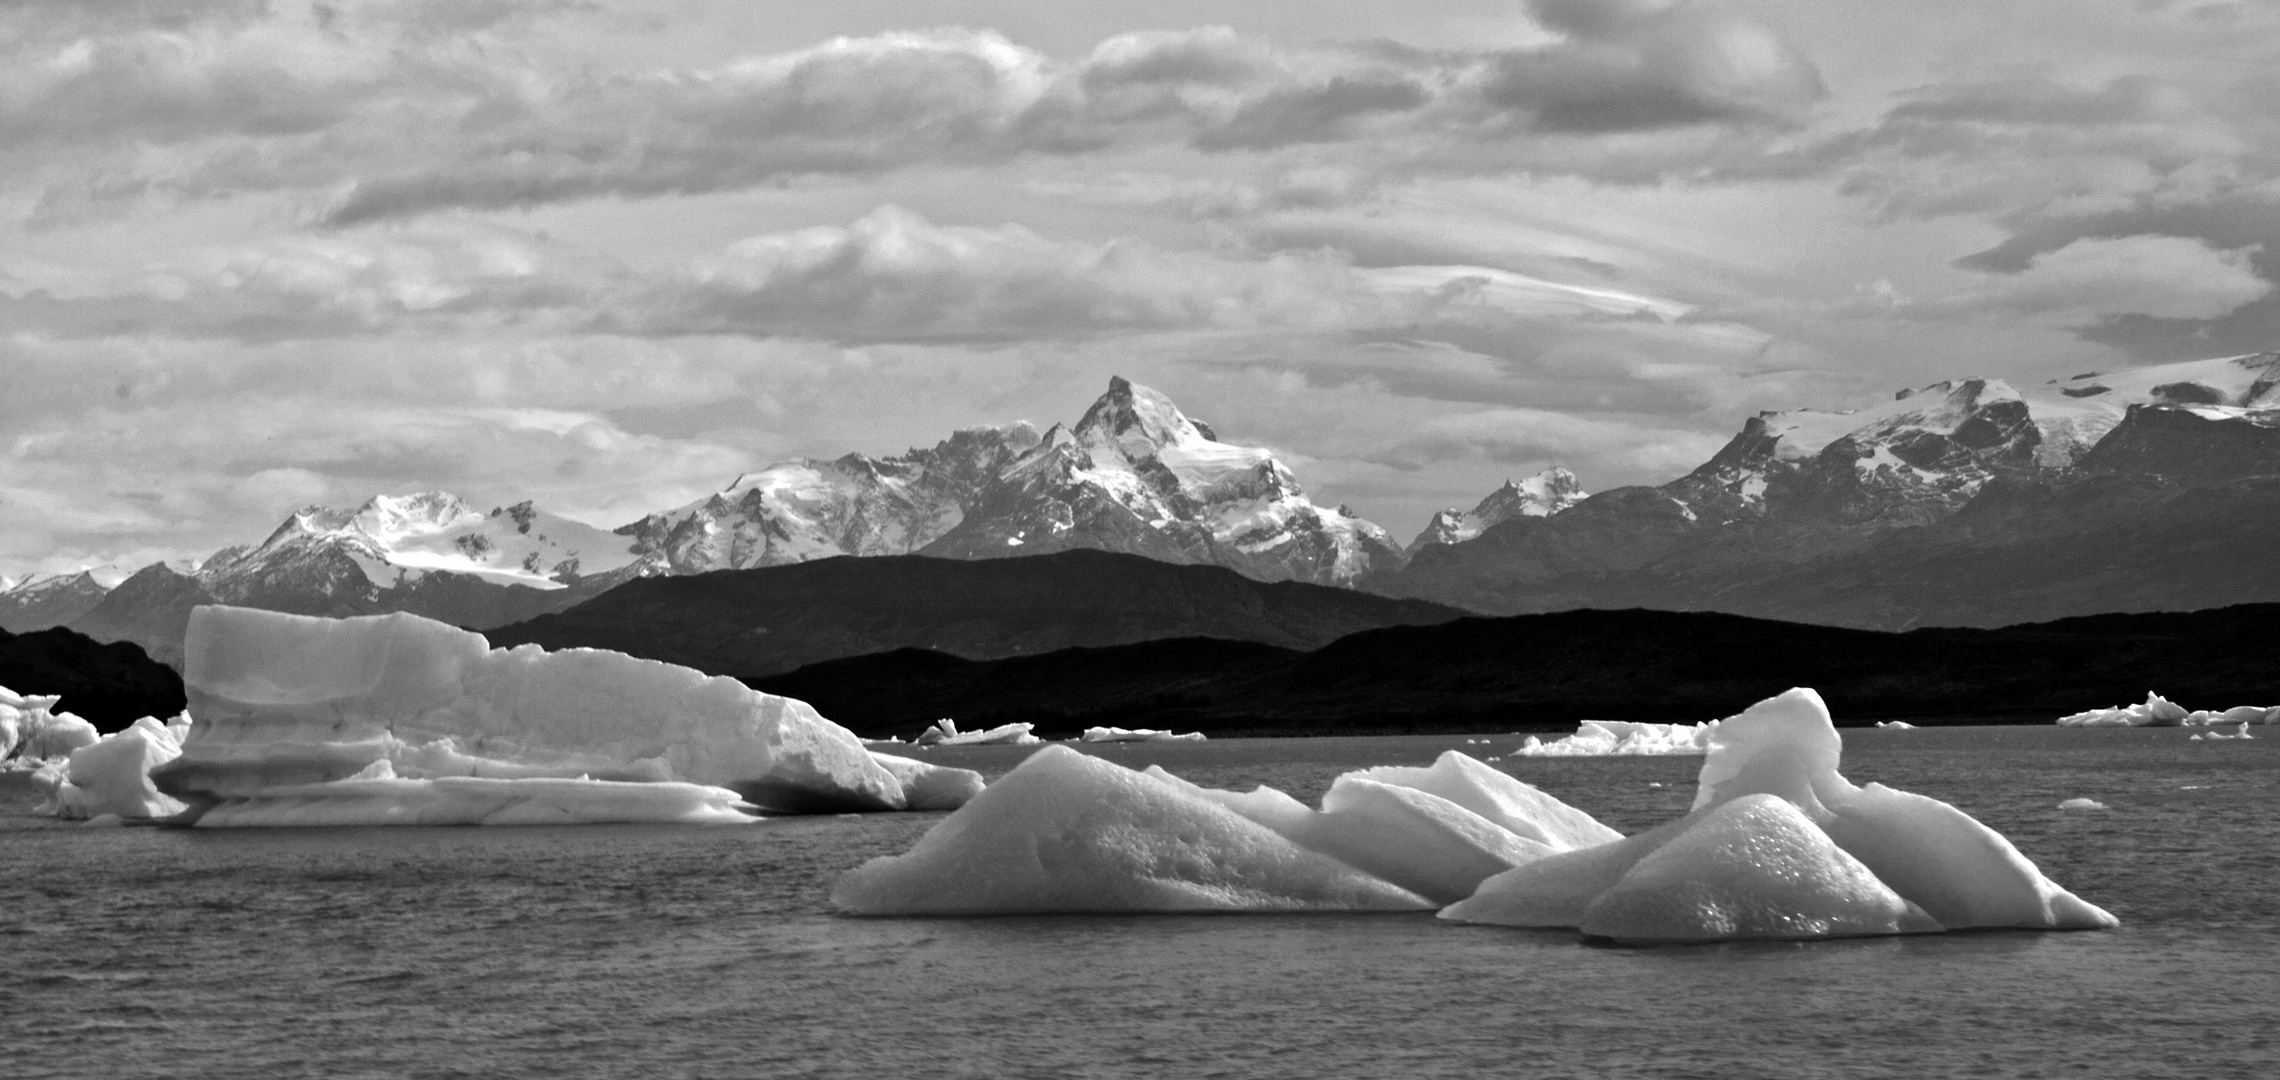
713,952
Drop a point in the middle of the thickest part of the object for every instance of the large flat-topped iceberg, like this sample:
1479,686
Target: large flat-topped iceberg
294,711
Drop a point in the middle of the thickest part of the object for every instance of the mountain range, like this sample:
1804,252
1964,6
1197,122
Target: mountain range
768,620
1545,672
1966,502
1962,503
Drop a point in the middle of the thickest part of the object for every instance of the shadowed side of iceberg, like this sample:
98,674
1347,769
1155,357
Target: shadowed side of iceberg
289,706
1064,832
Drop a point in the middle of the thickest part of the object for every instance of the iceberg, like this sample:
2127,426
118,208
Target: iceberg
927,786
111,776
289,706
1957,872
1066,832
945,733
32,733
1417,840
1117,734
1617,738
1501,798
1755,868
2157,711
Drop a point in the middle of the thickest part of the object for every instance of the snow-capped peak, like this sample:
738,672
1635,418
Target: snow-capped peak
1542,495
394,538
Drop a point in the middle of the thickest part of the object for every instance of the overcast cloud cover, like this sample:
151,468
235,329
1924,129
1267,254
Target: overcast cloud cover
255,255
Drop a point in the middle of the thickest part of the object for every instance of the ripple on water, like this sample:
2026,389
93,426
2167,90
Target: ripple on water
638,950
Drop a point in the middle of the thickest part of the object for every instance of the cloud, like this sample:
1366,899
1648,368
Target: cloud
385,110
2164,277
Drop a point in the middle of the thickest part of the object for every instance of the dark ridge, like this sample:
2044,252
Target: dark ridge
110,685
1545,672
762,622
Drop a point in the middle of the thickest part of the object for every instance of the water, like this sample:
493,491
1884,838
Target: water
696,952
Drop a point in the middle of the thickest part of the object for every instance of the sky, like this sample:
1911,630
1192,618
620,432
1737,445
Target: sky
607,256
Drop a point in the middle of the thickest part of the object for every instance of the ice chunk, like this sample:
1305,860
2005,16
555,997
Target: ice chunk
1501,798
1751,868
31,732
1961,872
931,787
1117,734
1896,725
1065,832
1957,871
2082,804
945,733
2157,711
112,775
287,701
1417,839
1617,738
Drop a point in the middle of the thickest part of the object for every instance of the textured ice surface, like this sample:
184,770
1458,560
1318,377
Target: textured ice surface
112,775
1438,831
1617,738
1501,798
927,786
285,702
1753,867
1957,871
31,732
1064,832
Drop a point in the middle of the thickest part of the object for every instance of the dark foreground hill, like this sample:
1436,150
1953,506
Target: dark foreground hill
111,685
760,622
1545,672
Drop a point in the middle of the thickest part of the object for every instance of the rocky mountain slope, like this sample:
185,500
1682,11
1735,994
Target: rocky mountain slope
768,620
1609,665
1964,503
38,601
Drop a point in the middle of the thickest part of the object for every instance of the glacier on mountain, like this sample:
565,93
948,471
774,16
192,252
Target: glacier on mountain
812,509
289,705
395,539
1137,475
1542,495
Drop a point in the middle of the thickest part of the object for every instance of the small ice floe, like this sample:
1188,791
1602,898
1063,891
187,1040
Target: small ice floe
2159,711
1896,725
2082,804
